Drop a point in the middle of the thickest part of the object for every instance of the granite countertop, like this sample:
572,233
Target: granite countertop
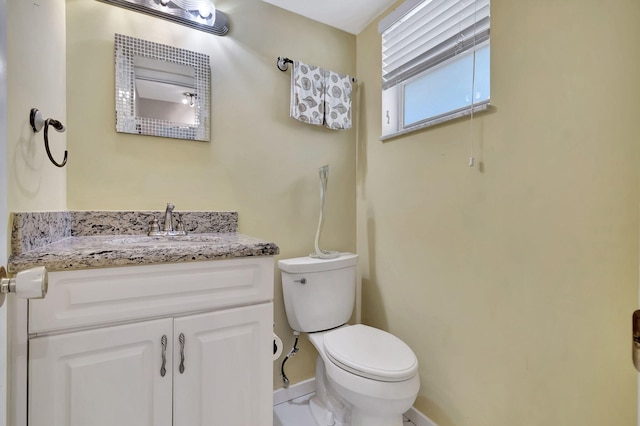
61,241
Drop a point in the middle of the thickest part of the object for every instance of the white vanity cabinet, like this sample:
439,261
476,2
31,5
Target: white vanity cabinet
97,356
223,381
107,376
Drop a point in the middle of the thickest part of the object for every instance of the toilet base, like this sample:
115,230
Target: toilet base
321,415
364,419
325,408
328,408
324,417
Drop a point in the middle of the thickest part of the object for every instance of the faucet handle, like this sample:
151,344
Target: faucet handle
180,225
154,228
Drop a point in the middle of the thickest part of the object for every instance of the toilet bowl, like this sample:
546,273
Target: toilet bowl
374,387
364,376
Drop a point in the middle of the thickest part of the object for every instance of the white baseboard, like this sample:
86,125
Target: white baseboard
308,386
419,419
294,391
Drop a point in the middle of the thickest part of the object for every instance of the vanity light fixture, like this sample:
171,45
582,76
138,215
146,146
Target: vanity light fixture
199,14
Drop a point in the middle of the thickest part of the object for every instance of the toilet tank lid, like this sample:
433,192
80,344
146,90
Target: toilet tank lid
301,265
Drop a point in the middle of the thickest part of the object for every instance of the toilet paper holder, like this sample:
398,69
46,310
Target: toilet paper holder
277,347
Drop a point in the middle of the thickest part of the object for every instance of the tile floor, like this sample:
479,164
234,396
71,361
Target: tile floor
296,413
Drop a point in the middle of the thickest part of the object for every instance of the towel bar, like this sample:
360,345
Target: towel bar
283,65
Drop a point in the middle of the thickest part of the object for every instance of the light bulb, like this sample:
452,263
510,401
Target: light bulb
204,8
189,99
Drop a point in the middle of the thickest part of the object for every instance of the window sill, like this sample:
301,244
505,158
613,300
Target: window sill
437,120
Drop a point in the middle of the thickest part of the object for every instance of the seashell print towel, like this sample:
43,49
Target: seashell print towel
307,93
337,100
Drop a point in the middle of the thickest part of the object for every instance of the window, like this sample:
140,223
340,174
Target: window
435,63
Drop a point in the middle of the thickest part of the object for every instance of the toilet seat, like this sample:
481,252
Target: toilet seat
371,353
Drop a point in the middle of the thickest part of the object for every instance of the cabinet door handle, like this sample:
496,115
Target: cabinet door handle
181,340
163,369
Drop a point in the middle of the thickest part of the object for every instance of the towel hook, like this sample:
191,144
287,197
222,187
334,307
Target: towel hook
37,123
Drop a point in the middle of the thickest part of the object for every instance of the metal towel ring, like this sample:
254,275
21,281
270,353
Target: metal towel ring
37,123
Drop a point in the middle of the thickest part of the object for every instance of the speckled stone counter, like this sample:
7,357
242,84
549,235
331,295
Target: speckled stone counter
79,240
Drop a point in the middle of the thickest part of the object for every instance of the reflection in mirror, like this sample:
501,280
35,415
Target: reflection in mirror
164,90
161,90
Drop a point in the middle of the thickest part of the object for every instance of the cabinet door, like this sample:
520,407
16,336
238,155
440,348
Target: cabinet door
228,360
103,377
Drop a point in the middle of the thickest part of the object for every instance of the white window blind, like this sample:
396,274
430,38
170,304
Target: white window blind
423,35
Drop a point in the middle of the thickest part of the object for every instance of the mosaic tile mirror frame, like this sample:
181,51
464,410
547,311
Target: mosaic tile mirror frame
161,90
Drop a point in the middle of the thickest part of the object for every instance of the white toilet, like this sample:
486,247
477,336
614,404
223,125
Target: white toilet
364,376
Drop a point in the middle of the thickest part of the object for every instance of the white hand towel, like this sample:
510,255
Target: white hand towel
337,99
307,92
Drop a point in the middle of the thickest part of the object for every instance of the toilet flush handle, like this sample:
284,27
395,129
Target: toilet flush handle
302,280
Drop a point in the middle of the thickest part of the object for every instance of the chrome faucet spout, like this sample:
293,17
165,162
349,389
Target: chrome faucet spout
168,230
168,218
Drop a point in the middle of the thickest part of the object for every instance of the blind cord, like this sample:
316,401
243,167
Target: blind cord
473,86
473,89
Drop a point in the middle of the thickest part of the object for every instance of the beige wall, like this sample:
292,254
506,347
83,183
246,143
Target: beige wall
4,213
514,281
35,79
259,162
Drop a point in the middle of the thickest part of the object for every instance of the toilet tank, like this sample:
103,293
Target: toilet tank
319,294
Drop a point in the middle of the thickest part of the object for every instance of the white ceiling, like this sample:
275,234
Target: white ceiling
351,16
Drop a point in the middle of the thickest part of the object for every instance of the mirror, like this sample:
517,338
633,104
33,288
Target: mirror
161,90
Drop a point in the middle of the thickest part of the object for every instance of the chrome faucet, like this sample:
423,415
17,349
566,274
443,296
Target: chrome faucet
167,229
168,218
